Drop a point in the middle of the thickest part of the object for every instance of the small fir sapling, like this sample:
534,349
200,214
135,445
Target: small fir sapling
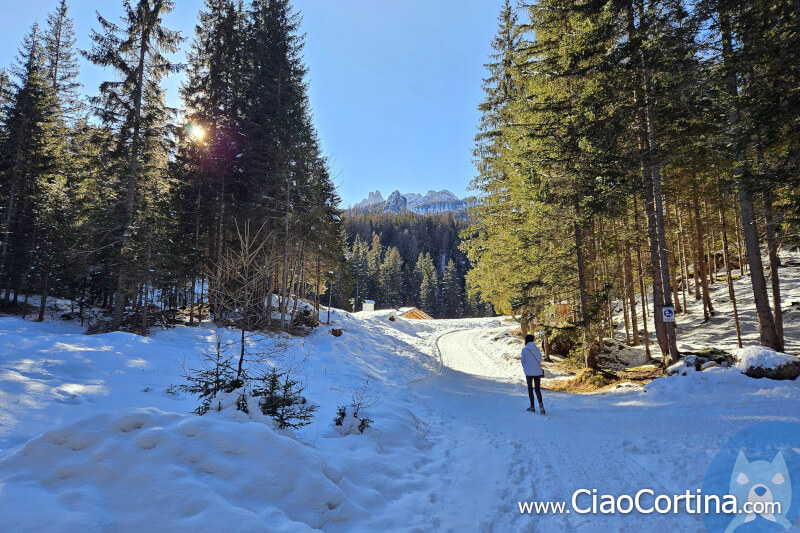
280,398
341,413
361,398
217,375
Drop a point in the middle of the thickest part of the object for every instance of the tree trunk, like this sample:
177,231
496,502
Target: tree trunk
590,359
655,270
774,262
740,239
646,167
728,275
625,315
671,354
146,285
673,269
684,260
286,254
317,296
768,333
330,301
643,294
630,292
708,309
300,280
711,263
220,249
43,301
196,251
133,164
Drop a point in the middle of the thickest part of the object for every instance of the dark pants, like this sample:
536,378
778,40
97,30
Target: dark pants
534,381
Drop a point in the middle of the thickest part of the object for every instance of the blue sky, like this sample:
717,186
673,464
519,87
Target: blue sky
395,84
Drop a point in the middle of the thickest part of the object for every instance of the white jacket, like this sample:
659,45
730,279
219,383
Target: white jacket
532,360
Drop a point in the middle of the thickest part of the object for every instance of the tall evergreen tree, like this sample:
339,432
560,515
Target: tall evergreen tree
374,263
132,106
212,139
5,98
391,276
55,202
425,275
492,237
62,61
451,293
29,158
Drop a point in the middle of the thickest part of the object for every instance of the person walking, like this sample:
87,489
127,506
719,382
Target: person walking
532,366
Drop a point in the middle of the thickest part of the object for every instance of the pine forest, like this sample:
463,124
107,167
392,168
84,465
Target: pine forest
636,148
119,202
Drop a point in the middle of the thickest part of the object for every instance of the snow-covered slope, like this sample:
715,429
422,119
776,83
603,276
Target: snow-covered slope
436,202
93,432
397,203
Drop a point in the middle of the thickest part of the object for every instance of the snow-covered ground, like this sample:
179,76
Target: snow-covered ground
95,437
693,334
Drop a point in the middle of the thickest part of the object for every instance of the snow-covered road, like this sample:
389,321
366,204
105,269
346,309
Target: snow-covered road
494,453
459,352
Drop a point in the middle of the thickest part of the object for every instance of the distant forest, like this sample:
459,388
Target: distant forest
409,260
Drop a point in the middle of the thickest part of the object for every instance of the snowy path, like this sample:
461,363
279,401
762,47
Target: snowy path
459,353
615,443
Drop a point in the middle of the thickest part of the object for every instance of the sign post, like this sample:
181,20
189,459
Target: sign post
668,312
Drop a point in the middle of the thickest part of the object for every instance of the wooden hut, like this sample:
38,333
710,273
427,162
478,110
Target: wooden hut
413,313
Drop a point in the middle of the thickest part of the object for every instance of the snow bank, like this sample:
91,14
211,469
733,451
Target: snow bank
147,470
115,467
688,381
761,357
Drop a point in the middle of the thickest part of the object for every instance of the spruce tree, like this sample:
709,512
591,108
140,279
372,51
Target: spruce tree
490,239
452,292
30,155
211,139
280,398
5,98
374,263
391,275
132,106
55,203
359,264
425,275
62,62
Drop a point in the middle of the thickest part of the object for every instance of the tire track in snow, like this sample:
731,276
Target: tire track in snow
437,350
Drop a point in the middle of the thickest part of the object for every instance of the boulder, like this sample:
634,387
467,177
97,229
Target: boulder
680,368
695,360
761,362
709,364
709,354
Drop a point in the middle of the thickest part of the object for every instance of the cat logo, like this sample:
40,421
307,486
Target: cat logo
765,486
759,468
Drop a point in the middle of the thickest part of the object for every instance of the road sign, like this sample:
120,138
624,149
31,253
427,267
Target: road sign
668,312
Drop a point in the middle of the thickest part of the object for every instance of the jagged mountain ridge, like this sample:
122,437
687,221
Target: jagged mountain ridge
430,203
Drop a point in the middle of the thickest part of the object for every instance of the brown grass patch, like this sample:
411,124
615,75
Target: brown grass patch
588,381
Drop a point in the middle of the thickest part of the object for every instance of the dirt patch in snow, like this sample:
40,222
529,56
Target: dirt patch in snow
591,381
